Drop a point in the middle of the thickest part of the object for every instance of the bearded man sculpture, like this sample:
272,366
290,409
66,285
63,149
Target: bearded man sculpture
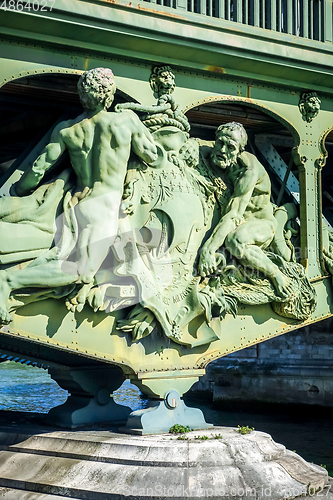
248,225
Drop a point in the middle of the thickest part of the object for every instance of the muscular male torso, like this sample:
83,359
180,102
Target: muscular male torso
249,174
99,148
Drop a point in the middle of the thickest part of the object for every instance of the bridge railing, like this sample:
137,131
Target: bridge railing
311,19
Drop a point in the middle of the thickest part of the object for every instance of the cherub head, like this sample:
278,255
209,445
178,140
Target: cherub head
96,88
162,80
309,105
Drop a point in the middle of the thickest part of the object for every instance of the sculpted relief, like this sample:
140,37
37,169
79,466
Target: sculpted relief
309,105
142,216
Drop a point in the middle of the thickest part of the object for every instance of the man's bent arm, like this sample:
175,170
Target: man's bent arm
229,221
143,143
32,177
243,190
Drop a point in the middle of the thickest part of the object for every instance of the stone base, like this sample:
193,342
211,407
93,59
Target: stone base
217,463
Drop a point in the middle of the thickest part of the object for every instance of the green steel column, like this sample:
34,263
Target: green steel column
309,214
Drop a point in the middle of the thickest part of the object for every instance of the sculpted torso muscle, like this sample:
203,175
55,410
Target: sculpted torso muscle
247,171
99,148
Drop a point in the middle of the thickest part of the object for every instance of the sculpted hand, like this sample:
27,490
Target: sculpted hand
207,264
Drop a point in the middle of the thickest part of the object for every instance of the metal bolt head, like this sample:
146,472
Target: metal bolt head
102,396
172,399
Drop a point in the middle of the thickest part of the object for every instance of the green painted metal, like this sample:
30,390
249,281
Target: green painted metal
327,14
89,401
212,45
214,61
163,415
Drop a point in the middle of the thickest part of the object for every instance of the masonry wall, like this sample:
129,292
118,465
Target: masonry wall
293,368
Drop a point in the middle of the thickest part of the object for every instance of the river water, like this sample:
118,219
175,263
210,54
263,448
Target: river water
308,431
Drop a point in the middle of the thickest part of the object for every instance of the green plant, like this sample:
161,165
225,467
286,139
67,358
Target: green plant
310,489
245,429
201,437
179,429
217,436
182,437
323,465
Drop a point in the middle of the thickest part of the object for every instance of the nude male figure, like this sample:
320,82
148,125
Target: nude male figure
248,225
99,145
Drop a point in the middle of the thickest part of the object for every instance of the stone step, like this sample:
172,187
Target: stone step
87,479
13,494
101,465
167,451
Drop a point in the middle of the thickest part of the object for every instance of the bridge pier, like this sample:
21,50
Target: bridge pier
90,400
165,408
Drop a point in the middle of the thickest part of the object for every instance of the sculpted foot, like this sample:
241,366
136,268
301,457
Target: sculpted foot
283,285
96,298
207,265
5,290
77,302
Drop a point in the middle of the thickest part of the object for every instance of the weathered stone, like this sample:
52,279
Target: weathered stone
103,465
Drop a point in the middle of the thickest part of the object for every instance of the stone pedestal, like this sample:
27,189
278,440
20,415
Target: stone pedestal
217,463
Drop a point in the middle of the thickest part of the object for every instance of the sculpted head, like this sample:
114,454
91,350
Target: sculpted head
162,80
230,142
96,87
309,105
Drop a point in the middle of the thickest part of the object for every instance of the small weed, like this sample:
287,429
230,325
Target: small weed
323,465
245,429
179,429
182,437
201,437
311,490
217,436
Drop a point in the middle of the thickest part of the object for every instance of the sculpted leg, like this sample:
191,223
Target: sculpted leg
48,274
255,257
99,218
244,243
